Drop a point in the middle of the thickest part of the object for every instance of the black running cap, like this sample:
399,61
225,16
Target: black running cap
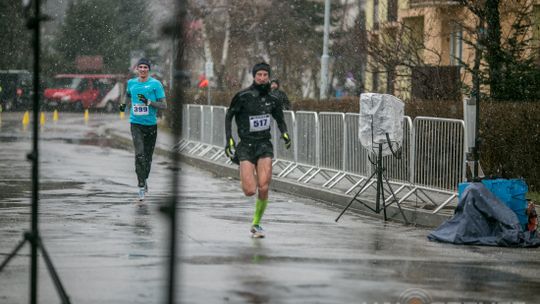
261,66
144,61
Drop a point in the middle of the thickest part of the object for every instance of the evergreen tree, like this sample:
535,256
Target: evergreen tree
16,38
104,28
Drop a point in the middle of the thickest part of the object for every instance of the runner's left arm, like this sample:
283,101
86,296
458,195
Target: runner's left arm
159,101
159,104
278,115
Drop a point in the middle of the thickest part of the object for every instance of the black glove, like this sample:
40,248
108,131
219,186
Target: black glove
235,159
287,140
122,107
142,99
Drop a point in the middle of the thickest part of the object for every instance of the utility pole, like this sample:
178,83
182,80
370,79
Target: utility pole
324,58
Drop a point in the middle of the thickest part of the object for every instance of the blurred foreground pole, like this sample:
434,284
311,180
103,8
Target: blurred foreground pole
178,32
35,26
324,58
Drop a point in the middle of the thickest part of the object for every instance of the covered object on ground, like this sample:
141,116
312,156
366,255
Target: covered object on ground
482,219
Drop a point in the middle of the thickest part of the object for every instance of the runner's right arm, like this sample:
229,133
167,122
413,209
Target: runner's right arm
127,100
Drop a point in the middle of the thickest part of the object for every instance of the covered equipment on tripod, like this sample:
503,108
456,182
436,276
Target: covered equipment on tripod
381,122
380,130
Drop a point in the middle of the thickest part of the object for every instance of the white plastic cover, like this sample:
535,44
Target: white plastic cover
380,114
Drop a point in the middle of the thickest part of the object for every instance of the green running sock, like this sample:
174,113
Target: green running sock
260,206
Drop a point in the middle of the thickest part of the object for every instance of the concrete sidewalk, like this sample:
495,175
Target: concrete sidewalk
417,213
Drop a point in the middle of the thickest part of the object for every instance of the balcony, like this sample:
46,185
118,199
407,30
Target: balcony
432,3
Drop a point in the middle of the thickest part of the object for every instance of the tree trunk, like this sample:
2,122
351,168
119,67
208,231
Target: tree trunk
224,53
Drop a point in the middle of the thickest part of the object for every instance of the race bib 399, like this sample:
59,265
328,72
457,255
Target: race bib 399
140,110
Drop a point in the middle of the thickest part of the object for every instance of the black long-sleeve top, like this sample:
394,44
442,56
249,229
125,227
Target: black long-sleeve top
252,108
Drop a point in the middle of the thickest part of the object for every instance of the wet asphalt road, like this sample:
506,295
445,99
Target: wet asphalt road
109,249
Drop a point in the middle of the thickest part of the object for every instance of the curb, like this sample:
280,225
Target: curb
416,217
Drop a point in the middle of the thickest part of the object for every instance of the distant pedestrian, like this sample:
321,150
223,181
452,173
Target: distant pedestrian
145,95
252,108
280,95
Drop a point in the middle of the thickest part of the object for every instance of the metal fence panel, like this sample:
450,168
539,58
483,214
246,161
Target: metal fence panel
185,121
307,126
439,158
279,148
398,169
195,122
218,128
207,125
356,156
331,140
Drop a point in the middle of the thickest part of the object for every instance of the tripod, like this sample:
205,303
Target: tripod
379,173
32,236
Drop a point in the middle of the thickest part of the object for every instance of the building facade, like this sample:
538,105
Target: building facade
420,48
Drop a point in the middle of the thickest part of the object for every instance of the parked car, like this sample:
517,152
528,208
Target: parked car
84,91
15,90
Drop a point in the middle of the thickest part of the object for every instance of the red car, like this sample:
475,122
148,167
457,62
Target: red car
84,91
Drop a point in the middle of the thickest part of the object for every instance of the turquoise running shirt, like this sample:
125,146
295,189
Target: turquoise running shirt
140,113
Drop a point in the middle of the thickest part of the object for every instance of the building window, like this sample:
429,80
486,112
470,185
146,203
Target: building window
456,45
392,10
375,14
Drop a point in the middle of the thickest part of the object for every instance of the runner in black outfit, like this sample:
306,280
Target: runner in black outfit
252,108
279,94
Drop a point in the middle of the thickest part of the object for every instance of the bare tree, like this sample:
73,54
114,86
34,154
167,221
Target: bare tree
510,71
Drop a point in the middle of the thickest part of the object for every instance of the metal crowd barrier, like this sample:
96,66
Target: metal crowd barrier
284,158
306,147
326,152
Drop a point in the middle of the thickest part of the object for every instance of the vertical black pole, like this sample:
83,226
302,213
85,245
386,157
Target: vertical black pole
379,180
34,235
176,125
476,96
476,153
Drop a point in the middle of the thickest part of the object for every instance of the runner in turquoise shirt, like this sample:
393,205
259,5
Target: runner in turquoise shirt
141,113
145,96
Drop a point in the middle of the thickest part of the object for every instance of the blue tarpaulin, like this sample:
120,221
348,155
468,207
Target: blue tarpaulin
482,219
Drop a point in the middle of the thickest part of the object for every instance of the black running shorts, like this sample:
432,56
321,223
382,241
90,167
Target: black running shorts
252,151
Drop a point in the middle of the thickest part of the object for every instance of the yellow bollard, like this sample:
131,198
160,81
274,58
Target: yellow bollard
86,115
42,119
55,116
122,115
26,118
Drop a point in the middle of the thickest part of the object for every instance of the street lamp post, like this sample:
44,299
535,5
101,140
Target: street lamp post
324,57
209,71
